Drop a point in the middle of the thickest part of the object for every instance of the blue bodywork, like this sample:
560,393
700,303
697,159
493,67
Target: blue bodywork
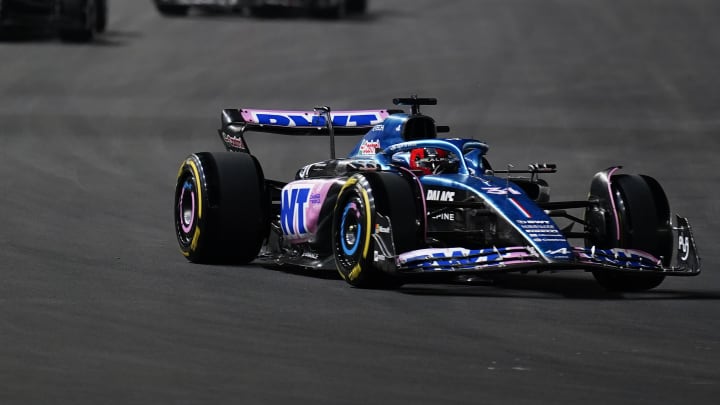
507,200
513,213
388,145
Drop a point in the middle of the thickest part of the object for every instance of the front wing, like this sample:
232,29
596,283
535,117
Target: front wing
526,258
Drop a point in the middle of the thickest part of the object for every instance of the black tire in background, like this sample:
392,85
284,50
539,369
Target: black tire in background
80,19
172,10
357,6
102,16
339,11
361,199
221,209
644,218
336,11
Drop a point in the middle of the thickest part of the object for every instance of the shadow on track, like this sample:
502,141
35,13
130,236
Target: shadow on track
580,286
549,287
298,271
278,15
111,38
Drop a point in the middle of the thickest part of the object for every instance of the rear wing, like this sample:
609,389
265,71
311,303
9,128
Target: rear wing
320,121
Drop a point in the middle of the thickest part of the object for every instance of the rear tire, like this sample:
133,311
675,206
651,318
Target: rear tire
102,16
336,12
339,11
357,6
644,219
221,209
172,10
359,202
80,20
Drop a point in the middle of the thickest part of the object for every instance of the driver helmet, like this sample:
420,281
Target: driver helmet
428,160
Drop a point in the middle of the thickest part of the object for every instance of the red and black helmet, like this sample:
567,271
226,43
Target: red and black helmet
427,160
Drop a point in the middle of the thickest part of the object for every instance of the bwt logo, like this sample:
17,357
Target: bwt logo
292,211
438,195
296,120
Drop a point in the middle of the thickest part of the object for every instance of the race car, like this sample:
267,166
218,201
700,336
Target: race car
407,206
75,20
330,8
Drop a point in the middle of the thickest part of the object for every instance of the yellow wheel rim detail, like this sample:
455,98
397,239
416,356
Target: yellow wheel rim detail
195,170
357,269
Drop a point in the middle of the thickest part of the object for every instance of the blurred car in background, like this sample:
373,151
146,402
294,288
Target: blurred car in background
74,20
329,8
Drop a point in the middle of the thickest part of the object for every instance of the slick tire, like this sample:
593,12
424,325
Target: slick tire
357,6
335,12
221,208
359,202
102,16
81,19
644,218
172,10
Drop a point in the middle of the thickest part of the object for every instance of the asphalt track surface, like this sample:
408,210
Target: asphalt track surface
97,306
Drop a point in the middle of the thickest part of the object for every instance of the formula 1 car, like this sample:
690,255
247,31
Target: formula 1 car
331,8
75,20
406,205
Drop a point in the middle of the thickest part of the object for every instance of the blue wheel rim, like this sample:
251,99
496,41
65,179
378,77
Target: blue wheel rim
349,239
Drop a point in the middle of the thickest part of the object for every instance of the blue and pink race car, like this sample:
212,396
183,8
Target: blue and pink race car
407,205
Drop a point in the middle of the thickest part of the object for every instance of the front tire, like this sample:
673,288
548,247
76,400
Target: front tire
643,215
221,209
360,202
